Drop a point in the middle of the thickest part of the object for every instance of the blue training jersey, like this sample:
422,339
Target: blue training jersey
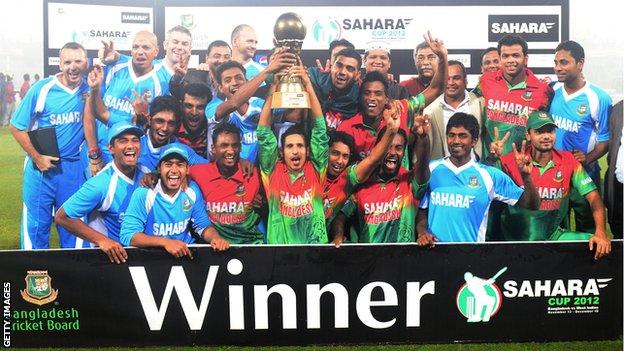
104,199
150,155
582,118
49,103
153,212
459,199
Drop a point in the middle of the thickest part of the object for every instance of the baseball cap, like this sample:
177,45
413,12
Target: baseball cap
123,127
172,149
538,119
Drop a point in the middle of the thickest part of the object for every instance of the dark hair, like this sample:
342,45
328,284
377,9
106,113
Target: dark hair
166,103
342,137
296,129
374,76
400,132
227,65
352,54
387,53
180,29
197,90
340,42
421,46
26,76
575,49
225,127
457,63
510,39
484,52
217,44
468,121
74,46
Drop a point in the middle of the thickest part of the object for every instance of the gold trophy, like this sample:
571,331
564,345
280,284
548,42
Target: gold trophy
289,32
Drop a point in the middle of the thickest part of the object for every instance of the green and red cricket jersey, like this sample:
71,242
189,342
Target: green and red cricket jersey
553,183
507,107
387,209
337,191
296,213
229,202
366,136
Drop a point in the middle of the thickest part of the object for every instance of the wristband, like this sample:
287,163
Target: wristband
94,154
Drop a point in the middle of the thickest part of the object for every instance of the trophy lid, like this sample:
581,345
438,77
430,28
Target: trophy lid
289,26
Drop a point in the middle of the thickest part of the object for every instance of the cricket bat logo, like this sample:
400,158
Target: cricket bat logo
479,299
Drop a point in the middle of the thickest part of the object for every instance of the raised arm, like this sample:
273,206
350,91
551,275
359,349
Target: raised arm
279,60
436,87
364,169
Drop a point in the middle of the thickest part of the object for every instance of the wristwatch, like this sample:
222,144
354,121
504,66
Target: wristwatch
94,154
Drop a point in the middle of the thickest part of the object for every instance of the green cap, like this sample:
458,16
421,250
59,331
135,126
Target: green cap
538,119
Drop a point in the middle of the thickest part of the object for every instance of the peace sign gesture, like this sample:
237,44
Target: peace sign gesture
497,145
140,104
436,45
523,161
108,54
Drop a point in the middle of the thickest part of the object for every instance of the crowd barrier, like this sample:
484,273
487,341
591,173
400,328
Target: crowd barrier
300,295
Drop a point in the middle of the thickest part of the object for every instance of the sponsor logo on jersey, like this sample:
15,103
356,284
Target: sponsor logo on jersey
451,200
479,299
527,96
66,118
39,288
567,124
292,205
240,190
164,229
186,205
135,17
558,176
541,28
581,110
473,182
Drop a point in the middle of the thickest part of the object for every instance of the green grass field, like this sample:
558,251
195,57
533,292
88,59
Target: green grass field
10,208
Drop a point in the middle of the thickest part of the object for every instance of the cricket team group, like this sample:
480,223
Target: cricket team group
152,153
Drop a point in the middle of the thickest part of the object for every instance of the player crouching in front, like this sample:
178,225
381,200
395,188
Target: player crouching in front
159,217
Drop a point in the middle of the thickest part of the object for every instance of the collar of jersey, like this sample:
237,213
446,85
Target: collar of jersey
122,175
69,91
555,160
171,199
456,170
214,173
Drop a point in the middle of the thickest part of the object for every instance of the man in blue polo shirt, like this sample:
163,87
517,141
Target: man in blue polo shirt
461,189
55,102
104,198
581,111
159,217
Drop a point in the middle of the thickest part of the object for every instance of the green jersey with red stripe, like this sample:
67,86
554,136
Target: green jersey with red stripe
553,182
337,191
296,213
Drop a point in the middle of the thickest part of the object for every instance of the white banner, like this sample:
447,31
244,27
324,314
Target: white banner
90,24
401,27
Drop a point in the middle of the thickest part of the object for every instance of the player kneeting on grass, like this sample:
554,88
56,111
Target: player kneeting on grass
159,217
294,183
104,198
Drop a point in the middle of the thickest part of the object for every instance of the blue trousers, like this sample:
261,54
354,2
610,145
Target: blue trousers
43,193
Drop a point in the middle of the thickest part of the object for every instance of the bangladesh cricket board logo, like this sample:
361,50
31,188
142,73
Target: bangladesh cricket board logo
479,299
39,288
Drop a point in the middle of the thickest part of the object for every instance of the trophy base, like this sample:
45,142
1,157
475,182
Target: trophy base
290,100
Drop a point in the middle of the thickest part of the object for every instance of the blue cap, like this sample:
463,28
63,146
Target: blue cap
123,127
173,149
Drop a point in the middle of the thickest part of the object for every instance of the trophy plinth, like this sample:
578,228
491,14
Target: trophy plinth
289,32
